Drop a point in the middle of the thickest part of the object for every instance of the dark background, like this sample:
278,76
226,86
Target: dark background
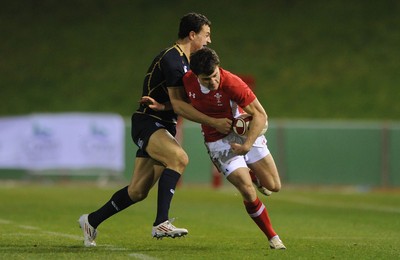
310,59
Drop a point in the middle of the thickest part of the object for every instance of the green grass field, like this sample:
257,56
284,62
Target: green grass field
39,221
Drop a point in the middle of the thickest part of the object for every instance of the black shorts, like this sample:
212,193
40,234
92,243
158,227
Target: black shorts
143,126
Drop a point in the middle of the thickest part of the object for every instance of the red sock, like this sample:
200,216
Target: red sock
259,214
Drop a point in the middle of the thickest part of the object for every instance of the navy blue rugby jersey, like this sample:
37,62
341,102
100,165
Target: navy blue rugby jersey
166,70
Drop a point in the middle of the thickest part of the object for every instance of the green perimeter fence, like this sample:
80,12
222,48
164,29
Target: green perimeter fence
312,152
307,152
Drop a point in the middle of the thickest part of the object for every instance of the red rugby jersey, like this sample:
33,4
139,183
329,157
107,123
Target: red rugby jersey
225,102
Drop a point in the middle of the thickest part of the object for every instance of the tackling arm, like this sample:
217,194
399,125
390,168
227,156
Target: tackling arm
183,108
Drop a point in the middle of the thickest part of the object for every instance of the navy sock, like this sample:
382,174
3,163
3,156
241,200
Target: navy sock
166,189
119,201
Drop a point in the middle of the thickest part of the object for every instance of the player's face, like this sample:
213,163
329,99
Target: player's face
210,81
202,38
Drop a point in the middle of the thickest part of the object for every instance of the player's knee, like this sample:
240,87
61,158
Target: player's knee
178,161
275,187
183,159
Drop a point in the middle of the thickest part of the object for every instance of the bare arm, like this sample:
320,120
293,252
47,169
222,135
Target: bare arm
183,108
256,110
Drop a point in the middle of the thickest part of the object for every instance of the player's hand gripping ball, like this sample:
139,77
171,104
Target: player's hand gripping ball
241,124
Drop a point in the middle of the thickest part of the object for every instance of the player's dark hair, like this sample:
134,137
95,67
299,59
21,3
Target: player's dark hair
192,22
204,61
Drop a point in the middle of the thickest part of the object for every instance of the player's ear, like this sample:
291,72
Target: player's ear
192,34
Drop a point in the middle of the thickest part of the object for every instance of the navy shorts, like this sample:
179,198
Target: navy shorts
143,126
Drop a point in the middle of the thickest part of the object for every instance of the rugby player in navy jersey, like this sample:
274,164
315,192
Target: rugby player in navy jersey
159,156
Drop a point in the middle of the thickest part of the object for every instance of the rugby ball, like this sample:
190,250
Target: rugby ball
241,123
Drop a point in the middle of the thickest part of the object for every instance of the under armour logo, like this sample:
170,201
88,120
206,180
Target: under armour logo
192,95
172,191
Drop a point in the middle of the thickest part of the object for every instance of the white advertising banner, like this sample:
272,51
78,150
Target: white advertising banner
62,141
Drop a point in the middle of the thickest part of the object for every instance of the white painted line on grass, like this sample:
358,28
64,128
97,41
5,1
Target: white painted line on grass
142,256
76,237
3,221
28,227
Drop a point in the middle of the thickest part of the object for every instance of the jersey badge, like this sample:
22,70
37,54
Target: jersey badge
218,96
